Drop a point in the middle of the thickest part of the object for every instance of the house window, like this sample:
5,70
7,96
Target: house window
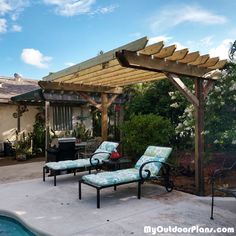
62,118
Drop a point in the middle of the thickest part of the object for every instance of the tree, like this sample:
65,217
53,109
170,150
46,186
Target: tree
232,51
145,130
162,98
220,112
156,98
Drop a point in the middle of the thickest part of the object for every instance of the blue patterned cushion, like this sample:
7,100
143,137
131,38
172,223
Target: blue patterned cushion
63,165
106,147
153,153
112,177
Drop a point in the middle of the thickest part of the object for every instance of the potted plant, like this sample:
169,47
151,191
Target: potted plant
24,147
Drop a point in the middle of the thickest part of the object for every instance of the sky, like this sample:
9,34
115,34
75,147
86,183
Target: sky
42,36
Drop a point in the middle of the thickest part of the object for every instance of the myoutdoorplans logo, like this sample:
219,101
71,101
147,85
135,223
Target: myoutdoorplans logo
182,230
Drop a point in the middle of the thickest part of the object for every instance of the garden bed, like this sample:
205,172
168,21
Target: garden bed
6,161
184,176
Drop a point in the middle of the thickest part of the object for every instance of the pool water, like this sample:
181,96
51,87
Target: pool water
11,227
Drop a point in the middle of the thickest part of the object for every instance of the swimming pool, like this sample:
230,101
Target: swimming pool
11,227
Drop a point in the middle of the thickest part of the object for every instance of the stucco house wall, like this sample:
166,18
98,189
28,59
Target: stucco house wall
9,87
8,124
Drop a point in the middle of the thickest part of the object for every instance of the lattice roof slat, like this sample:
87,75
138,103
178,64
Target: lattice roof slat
152,49
129,74
132,76
101,68
105,72
178,55
218,65
165,52
141,79
210,62
200,60
190,57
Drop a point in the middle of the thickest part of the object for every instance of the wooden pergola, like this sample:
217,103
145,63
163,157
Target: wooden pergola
138,63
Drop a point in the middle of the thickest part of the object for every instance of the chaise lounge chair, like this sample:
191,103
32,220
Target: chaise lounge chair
148,167
94,161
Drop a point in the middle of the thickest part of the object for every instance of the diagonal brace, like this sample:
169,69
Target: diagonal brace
183,89
207,87
91,101
112,99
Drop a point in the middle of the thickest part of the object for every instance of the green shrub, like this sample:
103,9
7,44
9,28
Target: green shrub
142,131
80,132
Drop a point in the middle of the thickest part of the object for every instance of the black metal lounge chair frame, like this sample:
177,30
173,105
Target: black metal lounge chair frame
231,191
166,167
94,162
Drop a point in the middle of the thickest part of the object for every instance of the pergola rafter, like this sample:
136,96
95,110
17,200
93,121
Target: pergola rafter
137,63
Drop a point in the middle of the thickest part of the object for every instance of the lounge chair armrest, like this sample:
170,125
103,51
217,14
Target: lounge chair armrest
96,159
165,164
219,172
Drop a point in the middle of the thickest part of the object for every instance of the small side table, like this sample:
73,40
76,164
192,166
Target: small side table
116,164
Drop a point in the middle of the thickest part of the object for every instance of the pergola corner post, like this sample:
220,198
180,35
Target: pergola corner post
47,127
199,137
18,118
103,108
197,100
18,123
104,100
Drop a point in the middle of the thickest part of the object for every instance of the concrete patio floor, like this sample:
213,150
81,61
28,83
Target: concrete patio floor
57,210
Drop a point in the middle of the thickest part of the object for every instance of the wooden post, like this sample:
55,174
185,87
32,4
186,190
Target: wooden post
18,123
18,118
198,101
121,120
104,116
199,137
47,127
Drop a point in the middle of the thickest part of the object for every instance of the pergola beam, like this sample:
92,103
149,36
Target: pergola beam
133,60
79,87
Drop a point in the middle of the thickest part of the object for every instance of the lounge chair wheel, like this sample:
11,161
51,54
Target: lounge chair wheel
169,186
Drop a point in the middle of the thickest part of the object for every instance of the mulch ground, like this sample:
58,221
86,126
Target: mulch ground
6,161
